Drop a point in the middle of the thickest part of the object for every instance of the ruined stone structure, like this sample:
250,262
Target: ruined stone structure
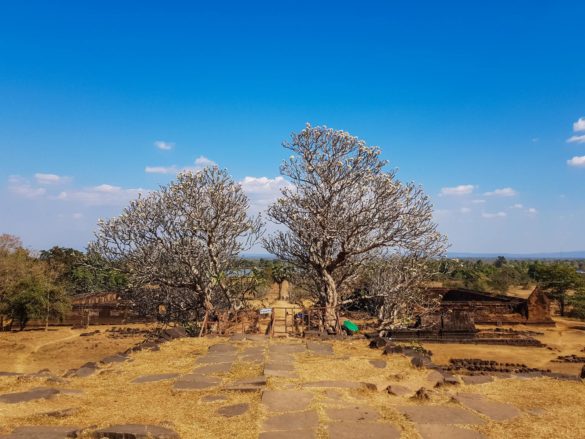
461,309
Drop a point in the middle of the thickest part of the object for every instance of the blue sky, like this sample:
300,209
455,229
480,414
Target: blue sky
475,102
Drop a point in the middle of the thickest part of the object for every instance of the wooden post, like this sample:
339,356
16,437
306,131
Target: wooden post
202,331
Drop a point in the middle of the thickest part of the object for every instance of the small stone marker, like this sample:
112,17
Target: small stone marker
437,431
196,382
498,411
286,400
230,411
154,378
292,421
42,432
362,430
135,431
355,413
440,415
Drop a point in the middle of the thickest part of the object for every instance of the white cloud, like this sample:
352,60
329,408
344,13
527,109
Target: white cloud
504,192
202,162
77,216
465,210
101,195
46,179
576,139
462,189
494,215
21,187
579,125
577,161
532,210
263,191
165,146
478,201
161,169
517,206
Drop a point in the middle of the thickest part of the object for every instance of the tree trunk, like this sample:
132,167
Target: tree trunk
330,317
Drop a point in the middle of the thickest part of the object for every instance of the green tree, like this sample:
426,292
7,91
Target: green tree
558,280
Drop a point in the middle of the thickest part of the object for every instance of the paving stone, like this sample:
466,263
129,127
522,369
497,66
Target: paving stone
213,368
280,373
319,348
353,413
207,399
196,382
135,431
336,384
62,413
287,348
154,378
476,379
248,384
10,374
362,430
33,394
440,415
42,432
498,411
216,358
84,371
114,359
279,366
379,364
253,351
295,434
222,348
437,431
230,411
292,421
286,400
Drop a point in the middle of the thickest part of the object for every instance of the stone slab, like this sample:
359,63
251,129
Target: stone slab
287,348
398,390
31,395
42,432
248,384
213,368
319,348
280,373
279,366
222,348
114,359
379,364
498,411
292,421
437,431
230,411
294,434
353,413
135,431
208,399
362,430
216,358
196,382
476,379
154,378
286,400
440,415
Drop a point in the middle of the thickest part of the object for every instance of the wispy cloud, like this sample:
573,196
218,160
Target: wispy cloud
577,161
46,179
161,169
200,163
165,146
21,187
462,189
504,192
517,206
532,210
101,195
465,210
494,215
576,139
579,125
478,201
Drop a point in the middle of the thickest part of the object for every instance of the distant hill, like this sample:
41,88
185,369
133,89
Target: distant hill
559,255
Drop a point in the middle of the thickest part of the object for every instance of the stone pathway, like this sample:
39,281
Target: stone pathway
290,408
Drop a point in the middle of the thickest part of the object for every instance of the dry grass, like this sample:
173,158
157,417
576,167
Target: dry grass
109,398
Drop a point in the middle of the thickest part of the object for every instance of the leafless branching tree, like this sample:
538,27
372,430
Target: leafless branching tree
342,212
180,243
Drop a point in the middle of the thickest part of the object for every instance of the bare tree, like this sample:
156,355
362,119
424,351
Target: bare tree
342,211
179,243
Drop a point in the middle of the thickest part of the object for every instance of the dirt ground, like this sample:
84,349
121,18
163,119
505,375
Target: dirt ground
58,349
